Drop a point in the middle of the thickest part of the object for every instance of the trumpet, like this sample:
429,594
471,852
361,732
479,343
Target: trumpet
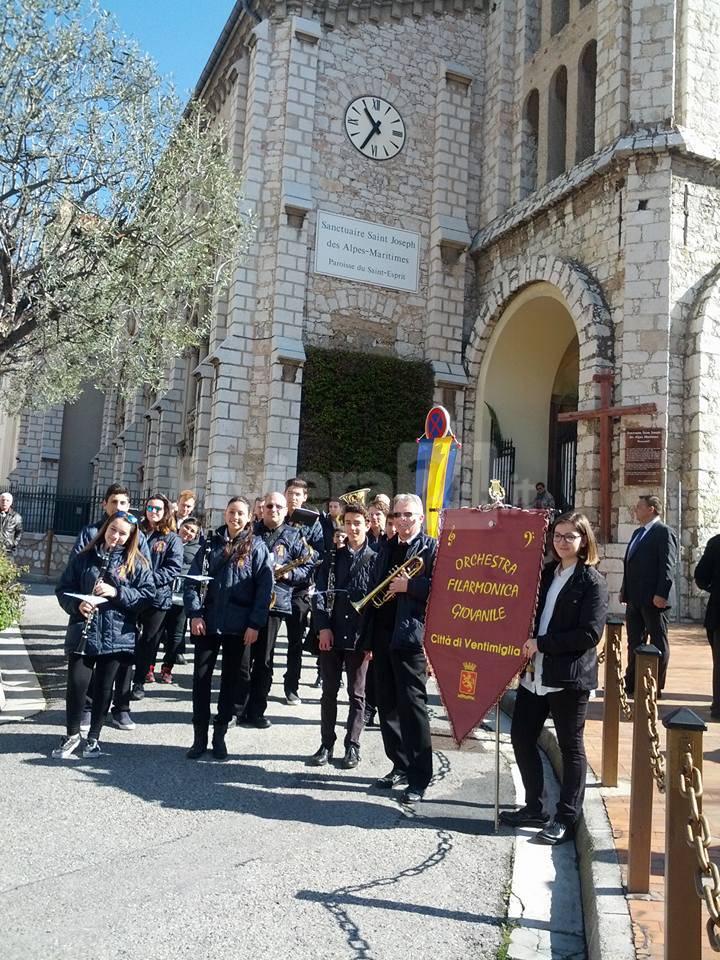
380,595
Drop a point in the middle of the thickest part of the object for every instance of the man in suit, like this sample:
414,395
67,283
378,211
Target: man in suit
707,577
396,640
648,590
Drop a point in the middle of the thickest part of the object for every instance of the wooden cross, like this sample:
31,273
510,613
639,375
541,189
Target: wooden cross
606,413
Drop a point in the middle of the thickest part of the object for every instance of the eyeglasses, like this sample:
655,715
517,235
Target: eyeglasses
122,515
150,509
405,516
566,537
274,506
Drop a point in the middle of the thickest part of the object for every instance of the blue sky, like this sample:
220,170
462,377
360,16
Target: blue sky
178,34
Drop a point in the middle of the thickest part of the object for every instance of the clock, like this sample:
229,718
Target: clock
375,128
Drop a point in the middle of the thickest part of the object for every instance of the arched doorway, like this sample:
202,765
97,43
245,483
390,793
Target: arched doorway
529,374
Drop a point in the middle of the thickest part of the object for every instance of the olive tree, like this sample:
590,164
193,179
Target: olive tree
119,211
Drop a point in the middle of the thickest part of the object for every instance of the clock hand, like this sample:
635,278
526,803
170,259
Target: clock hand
375,123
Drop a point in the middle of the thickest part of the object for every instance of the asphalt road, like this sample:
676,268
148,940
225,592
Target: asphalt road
145,854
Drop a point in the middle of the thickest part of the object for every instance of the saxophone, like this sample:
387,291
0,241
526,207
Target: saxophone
307,556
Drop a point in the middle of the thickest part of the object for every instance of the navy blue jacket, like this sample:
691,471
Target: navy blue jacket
569,645
114,626
166,557
353,574
238,596
649,570
409,622
285,547
313,535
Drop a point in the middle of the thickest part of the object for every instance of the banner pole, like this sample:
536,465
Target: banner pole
497,766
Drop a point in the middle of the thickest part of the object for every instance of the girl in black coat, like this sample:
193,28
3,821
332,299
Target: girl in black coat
571,614
112,567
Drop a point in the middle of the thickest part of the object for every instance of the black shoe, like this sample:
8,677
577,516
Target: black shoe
369,718
262,723
412,795
292,699
321,757
395,778
555,833
317,682
351,758
180,660
138,692
199,747
524,818
241,720
218,741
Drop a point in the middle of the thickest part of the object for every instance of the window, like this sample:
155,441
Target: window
587,75
533,19
560,14
529,146
557,124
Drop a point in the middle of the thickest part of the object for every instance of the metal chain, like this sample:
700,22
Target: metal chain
657,760
624,702
699,837
601,655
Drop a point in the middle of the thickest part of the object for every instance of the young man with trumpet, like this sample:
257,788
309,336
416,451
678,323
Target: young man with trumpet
342,581
395,629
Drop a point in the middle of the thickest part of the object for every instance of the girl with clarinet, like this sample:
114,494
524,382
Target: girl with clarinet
227,613
112,568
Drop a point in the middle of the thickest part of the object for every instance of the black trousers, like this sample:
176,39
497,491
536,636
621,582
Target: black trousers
370,687
173,633
568,709
151,629
206,654
256,671
646,623
401,698
331,667
296,626
714,638
81,670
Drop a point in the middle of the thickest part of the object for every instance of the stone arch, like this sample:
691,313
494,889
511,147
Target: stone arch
701,414
583,298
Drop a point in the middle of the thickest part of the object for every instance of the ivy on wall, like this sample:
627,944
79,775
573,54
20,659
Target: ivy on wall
357,412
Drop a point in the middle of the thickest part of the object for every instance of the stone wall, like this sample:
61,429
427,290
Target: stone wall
33,553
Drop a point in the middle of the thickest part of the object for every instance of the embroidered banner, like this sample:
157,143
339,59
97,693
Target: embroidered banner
481,606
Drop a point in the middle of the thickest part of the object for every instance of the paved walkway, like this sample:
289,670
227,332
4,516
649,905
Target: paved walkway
689,683
142,853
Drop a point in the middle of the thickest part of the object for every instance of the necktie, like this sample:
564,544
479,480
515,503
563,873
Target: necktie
639,534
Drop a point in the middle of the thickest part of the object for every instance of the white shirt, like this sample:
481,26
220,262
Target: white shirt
531,681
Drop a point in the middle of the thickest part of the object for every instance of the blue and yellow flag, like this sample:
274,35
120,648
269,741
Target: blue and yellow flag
437,452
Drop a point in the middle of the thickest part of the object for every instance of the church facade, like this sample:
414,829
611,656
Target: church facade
525,194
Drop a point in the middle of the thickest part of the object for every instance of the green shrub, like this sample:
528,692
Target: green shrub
357,410
12,595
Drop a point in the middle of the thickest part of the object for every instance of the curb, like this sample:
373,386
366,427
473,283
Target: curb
608,927
23,695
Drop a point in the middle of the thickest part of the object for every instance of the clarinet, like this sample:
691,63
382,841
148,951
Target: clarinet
206,566
330,597
82,643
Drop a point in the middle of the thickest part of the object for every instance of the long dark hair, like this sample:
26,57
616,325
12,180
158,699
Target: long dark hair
241,545
131,549
167,524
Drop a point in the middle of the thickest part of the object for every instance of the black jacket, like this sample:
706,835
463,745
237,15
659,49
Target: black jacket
409,623
650,570
315,538
352,583
707,577
575,628
10,531
285,545
166,557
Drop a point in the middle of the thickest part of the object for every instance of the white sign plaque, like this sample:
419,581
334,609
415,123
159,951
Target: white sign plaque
367,252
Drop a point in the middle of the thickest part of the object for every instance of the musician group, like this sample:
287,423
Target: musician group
350,584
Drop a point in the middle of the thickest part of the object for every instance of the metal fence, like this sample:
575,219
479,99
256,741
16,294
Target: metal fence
43,508
502,464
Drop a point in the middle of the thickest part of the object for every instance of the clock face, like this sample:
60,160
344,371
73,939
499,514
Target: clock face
375,128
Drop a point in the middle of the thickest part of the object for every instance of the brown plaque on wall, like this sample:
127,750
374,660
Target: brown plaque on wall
643,456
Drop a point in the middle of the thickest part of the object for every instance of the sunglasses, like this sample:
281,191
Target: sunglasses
150,509
122,515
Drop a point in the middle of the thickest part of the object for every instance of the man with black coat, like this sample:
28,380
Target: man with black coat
395,632
707,577
10,525
285,545
339,627
648,588
296,494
